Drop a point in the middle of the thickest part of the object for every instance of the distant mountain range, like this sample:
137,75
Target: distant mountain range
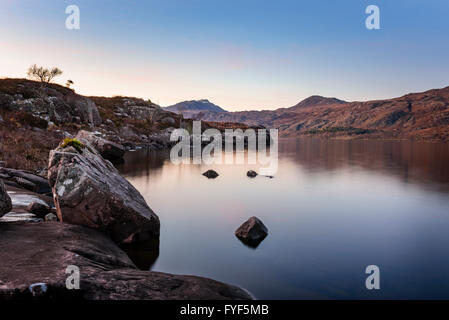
192,107
420,116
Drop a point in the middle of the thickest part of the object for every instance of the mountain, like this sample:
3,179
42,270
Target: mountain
418,116
267,118
316,101
192,107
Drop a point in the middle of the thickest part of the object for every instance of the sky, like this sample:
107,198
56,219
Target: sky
241,55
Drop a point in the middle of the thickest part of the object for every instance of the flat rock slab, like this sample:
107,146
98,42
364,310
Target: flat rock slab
26,180
39,253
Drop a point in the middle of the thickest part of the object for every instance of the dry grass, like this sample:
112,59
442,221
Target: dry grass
26,149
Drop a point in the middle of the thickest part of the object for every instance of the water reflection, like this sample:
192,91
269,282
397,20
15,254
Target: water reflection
411,162
333,208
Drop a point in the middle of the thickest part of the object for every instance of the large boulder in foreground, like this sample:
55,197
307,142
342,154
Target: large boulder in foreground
35,257
5,200
89,191
252,232
108,149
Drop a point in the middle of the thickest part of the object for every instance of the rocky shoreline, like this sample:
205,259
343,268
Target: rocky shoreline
98,210
35,257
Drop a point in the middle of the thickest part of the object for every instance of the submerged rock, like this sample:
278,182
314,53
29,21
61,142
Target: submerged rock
252,232
5,200
89,191
251,174
210,174
35,258
108,149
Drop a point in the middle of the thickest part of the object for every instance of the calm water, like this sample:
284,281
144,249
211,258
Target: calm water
333,208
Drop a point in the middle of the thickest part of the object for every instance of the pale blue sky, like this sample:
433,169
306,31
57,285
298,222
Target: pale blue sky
239,54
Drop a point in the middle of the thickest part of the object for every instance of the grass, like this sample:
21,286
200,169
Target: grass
26,149
69,142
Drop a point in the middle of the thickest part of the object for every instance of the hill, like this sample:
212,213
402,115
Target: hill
192,107
417,116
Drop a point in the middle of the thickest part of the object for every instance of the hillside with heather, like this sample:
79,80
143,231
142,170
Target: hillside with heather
417,116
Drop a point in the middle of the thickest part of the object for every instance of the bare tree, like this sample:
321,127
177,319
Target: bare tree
42,74
69,83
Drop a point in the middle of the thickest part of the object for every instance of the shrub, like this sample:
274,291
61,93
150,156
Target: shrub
42,74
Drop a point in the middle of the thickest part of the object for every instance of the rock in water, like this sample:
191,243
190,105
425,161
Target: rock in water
251,174
89,191
108,149
39,209
5,200
211,174
252,232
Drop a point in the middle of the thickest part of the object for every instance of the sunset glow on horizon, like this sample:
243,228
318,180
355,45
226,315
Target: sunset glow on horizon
239,55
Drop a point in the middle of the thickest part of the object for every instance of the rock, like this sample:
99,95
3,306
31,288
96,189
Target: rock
168,121
39,209
251,174
27,180
24,183
35,258
89,191
252,232
211,174
84,108
22,198
128,133
108,149
50,217
5,200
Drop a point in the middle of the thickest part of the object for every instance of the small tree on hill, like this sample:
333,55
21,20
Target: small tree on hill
42,74
69,83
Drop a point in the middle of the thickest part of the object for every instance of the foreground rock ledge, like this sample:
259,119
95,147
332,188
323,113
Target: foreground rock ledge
89,191
40,253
